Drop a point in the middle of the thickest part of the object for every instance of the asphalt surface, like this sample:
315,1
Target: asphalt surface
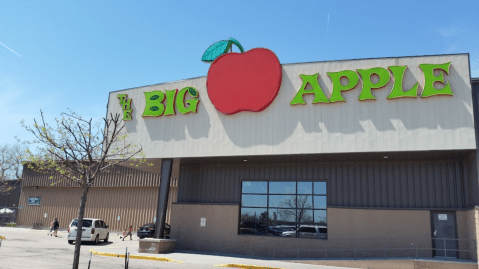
28,248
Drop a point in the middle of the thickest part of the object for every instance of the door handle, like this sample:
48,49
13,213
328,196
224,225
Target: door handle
435,233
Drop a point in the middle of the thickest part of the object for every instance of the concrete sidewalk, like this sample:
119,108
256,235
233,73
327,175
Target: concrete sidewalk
192,259
28,248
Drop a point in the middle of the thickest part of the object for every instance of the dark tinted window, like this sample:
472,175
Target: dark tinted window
281,208
86,223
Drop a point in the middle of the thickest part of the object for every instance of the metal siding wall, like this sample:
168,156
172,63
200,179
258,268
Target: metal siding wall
427,184
473,172
119,176
132,194
136,206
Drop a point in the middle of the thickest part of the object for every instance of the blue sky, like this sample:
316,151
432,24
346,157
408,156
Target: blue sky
56,55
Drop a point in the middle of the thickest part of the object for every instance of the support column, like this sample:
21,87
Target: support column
163,191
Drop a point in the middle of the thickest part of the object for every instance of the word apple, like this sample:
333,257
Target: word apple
383,79
246,81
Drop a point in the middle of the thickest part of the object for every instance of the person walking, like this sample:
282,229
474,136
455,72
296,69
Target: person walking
128,232
55,227
51,229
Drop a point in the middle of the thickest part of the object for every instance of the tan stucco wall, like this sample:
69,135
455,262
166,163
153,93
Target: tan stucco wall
348,229
466,229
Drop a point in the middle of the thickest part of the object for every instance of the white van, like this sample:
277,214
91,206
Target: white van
309,231
92,230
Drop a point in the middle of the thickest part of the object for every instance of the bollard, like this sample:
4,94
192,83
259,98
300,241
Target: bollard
126,258
89,262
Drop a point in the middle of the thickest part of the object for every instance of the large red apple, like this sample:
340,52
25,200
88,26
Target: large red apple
247,81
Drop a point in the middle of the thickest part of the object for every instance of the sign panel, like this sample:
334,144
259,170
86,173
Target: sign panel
366,105
34,200
442,216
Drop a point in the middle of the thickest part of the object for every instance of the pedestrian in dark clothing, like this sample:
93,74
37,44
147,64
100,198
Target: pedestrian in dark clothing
55,227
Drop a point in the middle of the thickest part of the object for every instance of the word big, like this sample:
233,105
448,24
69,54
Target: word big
154,106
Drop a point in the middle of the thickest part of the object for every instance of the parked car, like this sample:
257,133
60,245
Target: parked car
148,230
92,230
309,231
272,230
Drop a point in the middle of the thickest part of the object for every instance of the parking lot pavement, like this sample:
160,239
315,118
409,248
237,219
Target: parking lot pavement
28,248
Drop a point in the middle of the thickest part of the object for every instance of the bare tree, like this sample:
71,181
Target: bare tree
78,150
296,208
10,166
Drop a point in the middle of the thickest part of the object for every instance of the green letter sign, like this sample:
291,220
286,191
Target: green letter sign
125,104
353,80
170,102
319,96
430,79
154,106
368,85
397,91
192,103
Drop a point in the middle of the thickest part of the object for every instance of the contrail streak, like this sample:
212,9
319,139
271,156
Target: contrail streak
10,49
327,27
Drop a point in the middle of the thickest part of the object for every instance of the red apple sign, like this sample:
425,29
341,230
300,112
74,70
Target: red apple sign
246,81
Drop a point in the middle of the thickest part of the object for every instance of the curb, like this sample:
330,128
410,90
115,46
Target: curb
139,257
244,266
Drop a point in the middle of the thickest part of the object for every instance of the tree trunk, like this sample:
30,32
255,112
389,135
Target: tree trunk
81,212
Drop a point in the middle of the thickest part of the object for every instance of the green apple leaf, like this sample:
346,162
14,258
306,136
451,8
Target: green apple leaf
193,92
215,50
219,48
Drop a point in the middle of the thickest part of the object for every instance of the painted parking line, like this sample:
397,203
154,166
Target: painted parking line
244,266
139,257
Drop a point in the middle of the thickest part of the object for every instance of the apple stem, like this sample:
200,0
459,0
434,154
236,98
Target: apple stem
232,41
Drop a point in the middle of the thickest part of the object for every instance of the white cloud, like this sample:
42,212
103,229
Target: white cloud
448,31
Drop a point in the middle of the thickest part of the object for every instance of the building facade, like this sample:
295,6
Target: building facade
353,158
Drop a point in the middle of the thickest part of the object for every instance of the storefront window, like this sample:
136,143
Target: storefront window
284,208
